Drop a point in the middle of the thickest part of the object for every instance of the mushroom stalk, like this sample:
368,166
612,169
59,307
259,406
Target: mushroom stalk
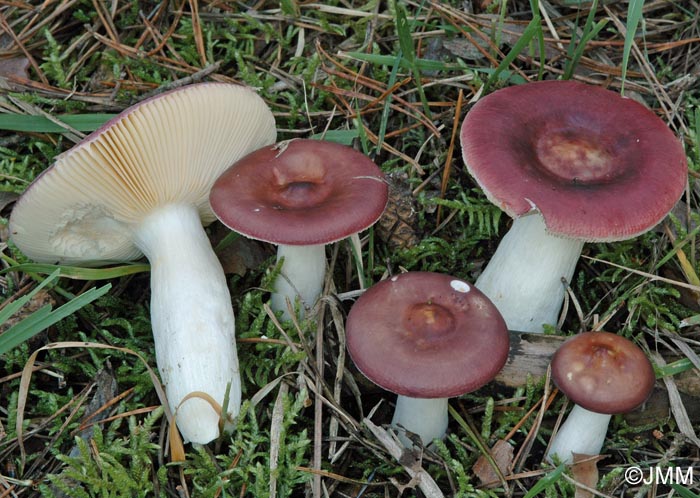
583,432
192,319
301,277
426,417
524,276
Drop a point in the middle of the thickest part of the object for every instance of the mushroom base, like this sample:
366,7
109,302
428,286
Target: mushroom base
192,320
583,432
426,418
301,277
524,277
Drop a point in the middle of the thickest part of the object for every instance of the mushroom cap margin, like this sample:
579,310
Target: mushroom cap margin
166,149
603,372
426,335
638,168
300,192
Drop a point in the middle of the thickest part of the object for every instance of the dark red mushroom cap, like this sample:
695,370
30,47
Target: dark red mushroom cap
603,372
426,335
300,192
598,166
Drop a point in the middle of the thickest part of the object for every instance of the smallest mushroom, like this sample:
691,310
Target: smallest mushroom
604,374
426,337
300,195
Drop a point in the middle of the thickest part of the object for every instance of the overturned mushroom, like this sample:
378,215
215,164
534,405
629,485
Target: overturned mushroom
140,185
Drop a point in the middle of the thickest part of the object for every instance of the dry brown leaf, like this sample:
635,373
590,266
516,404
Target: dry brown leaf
585,472
502,454
17,67
242,255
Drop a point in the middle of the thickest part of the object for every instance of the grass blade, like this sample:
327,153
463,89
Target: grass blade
24,330
403,29
546,481
673,368
343,137
684,492
476,440
590,31
531,30
45,317
40,124
77,273
391,60
535,8
12,308
387,105
634,14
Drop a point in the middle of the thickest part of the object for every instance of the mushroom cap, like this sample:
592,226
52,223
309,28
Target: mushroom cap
300,192
426,335
603,372
597,166
166,149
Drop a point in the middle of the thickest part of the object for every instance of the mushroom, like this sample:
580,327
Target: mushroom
426,337
140,185
301,195
604,374
571,163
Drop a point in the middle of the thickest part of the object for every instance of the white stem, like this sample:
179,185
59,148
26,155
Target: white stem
424,417
302,275
192,319
524,276
582,432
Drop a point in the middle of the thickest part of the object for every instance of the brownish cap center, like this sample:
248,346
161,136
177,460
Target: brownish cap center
575,157
429,324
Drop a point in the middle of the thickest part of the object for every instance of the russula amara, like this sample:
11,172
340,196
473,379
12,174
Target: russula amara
426,337
140,186
604,374
571,163
301,195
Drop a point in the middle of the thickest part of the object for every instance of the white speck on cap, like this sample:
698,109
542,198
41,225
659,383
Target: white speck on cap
460,286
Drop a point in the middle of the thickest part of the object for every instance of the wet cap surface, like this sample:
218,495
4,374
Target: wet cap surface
426,335
598,166
300,192
603,372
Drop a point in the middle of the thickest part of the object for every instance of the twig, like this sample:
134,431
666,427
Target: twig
275,435
424,481
677,408
193,78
